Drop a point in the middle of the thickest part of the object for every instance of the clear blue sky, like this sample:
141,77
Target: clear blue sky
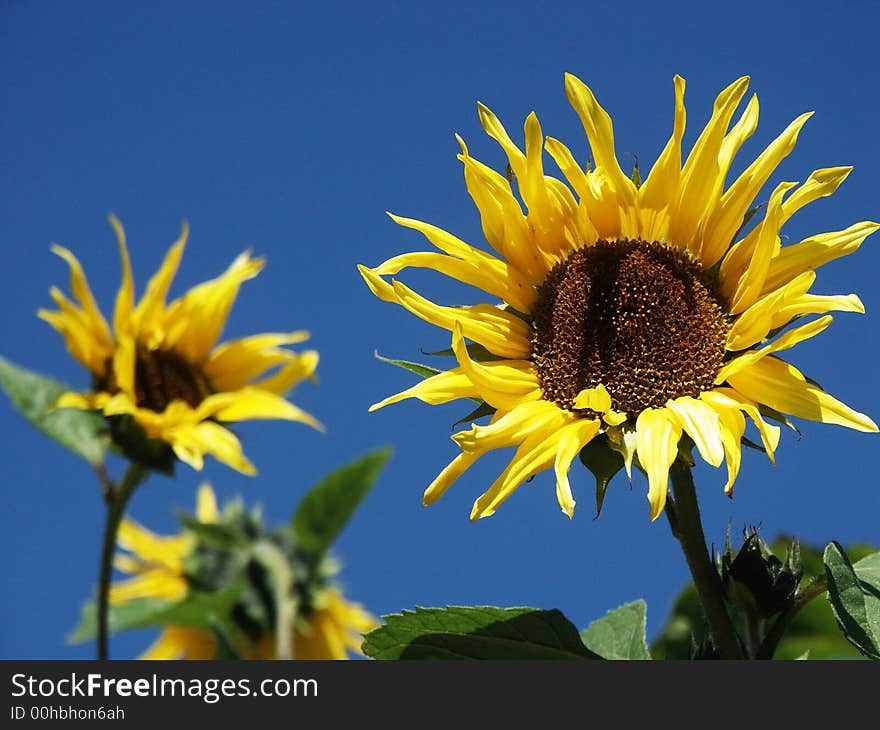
291,128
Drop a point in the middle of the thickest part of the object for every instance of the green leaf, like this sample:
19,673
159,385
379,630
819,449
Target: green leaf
326,508
32,394
856,604
868,570
423,370
813,628
620,634
478,632
603,462
198,609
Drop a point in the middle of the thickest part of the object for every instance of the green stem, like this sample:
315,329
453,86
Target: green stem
117,497
689,531
275,561
774,636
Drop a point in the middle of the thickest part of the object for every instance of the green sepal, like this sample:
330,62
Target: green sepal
476,632
131,440
424,371
475,352
33,395
636,176
481,411
620,634
603,462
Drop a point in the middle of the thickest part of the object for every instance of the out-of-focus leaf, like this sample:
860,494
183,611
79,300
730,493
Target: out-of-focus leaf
198,609
326,508
33,395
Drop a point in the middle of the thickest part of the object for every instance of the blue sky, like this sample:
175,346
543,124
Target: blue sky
291,129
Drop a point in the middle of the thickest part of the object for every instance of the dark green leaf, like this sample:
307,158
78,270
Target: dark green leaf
414,367
856,606
479,632
196,609
481,411
603,462
327,507
475,351
83,432
620,634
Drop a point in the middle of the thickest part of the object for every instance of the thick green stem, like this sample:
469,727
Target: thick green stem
117,497
689,531
774,636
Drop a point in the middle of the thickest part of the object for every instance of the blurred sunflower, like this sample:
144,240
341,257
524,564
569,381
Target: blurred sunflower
634,312
328,627
161,367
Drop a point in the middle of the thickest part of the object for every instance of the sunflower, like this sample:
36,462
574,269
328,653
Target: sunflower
160,365
636,313
329,629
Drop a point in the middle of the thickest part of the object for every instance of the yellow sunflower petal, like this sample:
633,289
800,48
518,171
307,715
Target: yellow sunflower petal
783,342
194,323
252,403
191,442
661,186
514,287
441,388
815,251
699,421
502,384
79,286
153,583
749,287
757,320
122,321
781,386
234,364
512,427
730,398
206,504
445,479
503,334
535,454
719,229
148,314
657,446
701,177
732,425
571,440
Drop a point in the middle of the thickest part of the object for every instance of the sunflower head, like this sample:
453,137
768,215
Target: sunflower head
646,318
215,552
159,375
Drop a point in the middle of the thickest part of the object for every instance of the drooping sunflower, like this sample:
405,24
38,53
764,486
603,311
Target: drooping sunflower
330,627
636,313
160,365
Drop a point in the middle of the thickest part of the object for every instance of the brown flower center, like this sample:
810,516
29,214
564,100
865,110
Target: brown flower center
640,318
161,376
